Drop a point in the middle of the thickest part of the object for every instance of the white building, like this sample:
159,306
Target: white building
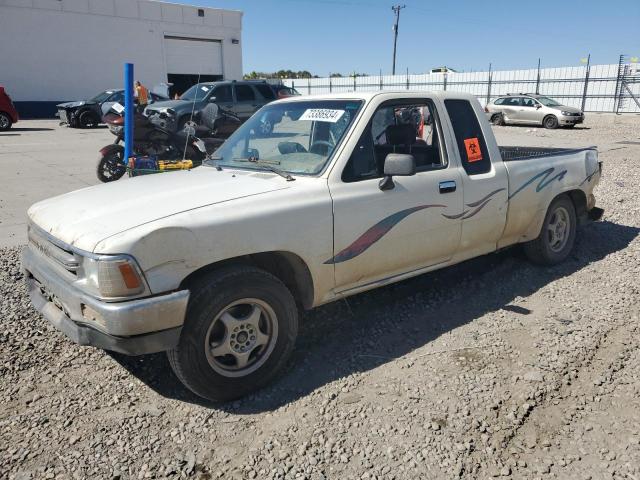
61,50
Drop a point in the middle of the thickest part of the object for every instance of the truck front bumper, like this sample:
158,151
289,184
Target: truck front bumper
133,327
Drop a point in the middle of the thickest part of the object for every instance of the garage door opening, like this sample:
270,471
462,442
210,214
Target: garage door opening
189,58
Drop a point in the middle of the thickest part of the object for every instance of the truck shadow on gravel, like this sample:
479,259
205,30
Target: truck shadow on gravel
379,326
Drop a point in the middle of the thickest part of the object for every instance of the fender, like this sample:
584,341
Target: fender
111,148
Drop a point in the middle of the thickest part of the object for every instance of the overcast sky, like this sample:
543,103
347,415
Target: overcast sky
325,36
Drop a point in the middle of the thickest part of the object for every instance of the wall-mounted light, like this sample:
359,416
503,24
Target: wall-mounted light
235,41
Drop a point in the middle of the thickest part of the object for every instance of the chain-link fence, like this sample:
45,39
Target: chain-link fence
597,88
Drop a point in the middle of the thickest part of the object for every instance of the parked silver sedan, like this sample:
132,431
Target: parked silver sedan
529,109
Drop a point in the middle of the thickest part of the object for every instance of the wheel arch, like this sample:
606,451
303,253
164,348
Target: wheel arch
288,267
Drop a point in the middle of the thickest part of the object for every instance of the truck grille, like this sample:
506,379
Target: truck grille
55,252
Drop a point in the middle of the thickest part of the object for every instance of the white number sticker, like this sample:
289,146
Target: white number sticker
206,89
322,115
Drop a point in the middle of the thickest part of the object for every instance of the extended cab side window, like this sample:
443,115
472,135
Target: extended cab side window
469,138
397,127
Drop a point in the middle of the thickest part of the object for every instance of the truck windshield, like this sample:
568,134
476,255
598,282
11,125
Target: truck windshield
548,102
294,137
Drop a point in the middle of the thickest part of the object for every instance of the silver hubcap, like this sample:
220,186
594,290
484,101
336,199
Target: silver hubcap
241,337
4,121
558,229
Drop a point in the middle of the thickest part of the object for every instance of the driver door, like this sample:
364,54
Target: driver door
380,234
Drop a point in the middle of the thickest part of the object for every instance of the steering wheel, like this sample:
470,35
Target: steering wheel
325,143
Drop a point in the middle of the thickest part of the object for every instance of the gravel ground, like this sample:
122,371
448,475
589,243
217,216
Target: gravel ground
491,368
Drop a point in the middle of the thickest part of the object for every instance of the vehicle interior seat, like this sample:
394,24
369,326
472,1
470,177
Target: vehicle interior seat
402,138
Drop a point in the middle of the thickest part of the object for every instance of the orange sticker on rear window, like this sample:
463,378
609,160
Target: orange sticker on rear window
473,149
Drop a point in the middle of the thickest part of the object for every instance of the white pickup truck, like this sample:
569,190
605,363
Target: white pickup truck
347,193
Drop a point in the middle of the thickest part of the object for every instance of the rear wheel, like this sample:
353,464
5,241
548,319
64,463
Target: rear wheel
555,242
497,119
110,167
240,328
5,121
550,122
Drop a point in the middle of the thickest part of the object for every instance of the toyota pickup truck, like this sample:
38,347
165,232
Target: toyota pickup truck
349,192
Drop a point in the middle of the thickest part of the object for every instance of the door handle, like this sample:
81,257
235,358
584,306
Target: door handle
448,186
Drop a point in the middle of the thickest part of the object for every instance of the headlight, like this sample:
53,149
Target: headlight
112,277
570,114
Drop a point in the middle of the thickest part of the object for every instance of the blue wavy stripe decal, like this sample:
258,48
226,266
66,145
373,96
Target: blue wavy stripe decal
482,203
375,233
545,179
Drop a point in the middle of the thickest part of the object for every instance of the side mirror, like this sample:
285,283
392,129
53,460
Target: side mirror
397,164
538,106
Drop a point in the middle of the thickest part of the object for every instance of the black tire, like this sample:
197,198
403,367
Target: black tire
88,119
5,122
110,167
550,122
544,250
497,120
212,295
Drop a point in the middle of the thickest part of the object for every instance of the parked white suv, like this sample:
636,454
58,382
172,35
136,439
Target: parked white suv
529,109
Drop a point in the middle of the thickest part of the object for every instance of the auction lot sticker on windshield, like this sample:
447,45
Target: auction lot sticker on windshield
117,107
322,115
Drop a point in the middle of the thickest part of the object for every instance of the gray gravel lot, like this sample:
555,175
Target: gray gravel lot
492,368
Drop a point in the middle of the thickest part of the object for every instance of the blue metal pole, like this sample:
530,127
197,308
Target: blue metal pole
128,112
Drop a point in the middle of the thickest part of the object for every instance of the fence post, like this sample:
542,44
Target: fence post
407,78
617,94
586,83
330,86
538,79
309,85
489,86
380,77
444,81
354,81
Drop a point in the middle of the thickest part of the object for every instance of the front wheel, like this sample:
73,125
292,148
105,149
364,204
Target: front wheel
88,119
555,242
550,122
110,167
240,328
5,122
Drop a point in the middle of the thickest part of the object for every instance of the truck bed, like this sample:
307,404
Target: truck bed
514,153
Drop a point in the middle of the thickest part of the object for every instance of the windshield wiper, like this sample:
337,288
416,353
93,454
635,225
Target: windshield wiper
214,162
267,165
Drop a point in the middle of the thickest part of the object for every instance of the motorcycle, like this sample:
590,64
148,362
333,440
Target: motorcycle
157,135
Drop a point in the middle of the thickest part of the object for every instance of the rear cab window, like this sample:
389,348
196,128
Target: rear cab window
474,154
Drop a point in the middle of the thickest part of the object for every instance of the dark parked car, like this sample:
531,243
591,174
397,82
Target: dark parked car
89,113
242,98
8,113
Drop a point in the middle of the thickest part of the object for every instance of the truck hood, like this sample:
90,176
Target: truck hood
85,217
